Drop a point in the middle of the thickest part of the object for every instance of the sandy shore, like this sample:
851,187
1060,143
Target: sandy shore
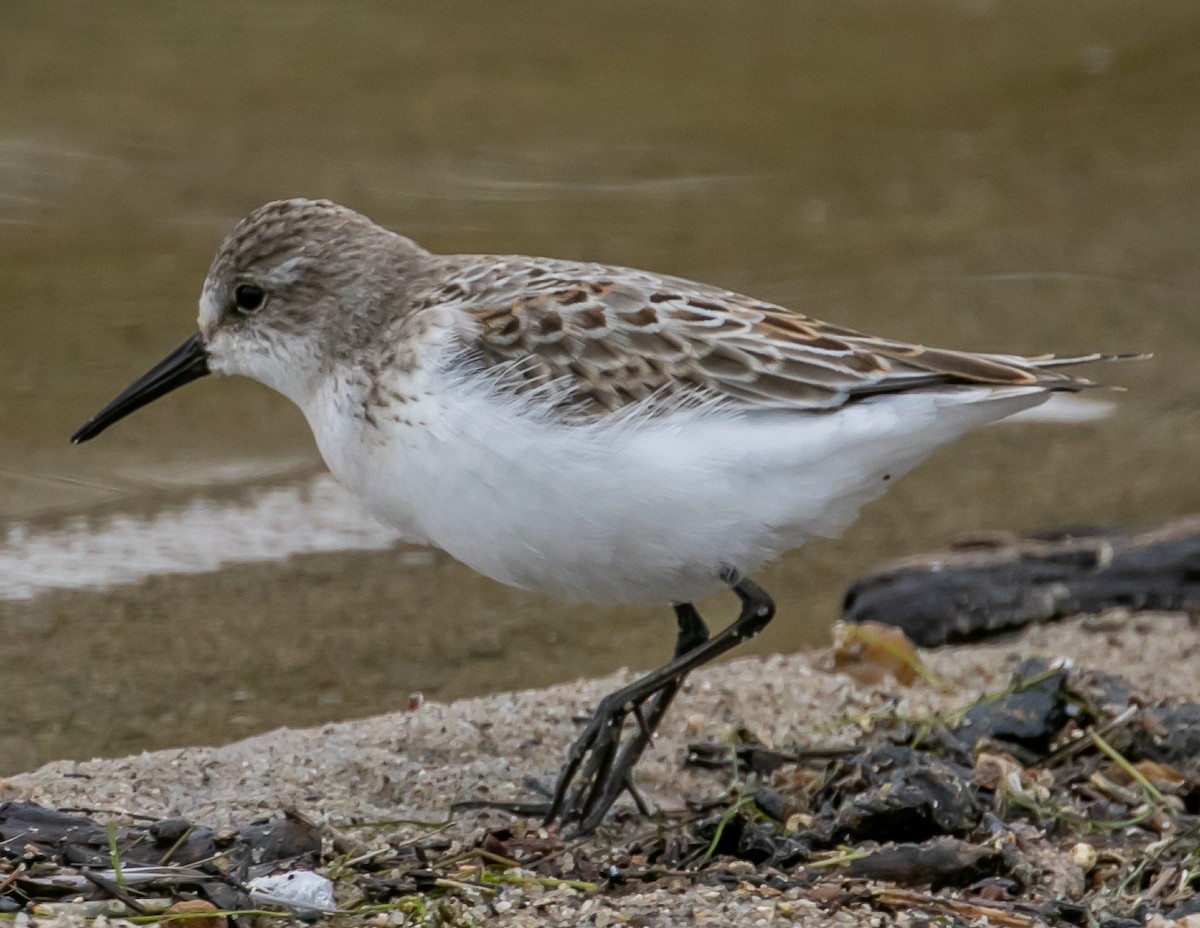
411,765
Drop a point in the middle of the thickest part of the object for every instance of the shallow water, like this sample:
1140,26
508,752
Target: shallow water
1015,177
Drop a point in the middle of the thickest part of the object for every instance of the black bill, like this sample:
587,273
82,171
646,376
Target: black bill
183,365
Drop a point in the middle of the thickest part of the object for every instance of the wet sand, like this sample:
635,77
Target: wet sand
411,765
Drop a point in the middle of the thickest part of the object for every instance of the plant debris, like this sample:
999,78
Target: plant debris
1065,797
1062,797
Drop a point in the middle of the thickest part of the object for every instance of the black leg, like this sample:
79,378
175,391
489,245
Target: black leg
692,633
607,771
604,760
614,774
692,630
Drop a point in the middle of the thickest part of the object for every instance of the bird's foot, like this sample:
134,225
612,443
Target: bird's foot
599,765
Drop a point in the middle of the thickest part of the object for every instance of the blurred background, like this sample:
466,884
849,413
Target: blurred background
1014,176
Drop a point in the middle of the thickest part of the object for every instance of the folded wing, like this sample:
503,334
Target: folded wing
601,339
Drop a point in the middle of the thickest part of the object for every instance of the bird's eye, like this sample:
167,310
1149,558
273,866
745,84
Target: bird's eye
248,297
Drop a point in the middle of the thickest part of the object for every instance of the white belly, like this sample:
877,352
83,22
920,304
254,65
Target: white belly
640,510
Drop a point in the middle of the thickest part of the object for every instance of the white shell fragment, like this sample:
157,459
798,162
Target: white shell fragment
299,889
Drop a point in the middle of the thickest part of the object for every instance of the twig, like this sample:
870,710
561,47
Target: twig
969,911
416,822
847,857
12,877
114,856
207,913
516,807
446,882
116,890
1134,774
162,861
549,881
117,813
726,817
1073,747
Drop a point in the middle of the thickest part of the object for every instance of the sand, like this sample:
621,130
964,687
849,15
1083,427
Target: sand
412,764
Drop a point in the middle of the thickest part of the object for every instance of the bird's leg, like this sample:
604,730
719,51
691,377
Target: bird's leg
601,749
692,630
692,633
616,775
607,773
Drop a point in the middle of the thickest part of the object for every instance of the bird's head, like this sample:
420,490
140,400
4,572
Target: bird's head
294,286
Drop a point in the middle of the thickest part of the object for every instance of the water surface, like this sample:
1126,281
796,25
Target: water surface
1017,177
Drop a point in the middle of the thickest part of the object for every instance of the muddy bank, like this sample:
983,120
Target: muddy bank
379,792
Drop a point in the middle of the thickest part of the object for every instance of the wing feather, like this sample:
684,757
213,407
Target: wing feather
601,338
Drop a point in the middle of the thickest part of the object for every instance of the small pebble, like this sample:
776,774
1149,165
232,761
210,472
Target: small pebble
1083,855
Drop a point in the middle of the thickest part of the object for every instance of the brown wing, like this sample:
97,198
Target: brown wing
602,338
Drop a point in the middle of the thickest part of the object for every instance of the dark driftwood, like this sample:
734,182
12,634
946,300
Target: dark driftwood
939,862
998,583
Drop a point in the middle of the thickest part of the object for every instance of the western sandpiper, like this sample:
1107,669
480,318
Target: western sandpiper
594,432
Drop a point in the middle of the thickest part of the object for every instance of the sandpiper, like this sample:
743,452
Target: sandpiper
590,431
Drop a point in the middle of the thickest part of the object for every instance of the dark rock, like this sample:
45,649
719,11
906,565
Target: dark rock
758,842
263,845
1173,736
769,802
74,839
167,831
909,795
1027,717
1187,907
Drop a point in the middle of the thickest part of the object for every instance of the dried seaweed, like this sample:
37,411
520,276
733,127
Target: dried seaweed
1063,798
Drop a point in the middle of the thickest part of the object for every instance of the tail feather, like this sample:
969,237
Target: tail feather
1053,361
916,368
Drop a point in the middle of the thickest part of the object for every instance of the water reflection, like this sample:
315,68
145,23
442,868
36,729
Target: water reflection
267,524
